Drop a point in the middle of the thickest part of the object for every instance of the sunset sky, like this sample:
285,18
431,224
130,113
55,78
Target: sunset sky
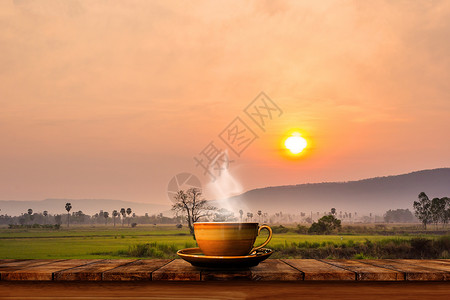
111,99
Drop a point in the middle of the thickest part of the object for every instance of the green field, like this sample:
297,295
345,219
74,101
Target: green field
108,242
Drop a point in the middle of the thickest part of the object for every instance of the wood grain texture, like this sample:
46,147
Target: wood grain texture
275,270
225,274
268,270
317,270
45,271
365,271
412,272
92,271
177,269
4,261
22,264
138,270
233,290
429,263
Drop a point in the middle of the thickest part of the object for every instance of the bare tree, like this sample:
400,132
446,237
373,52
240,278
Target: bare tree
68,208
193,206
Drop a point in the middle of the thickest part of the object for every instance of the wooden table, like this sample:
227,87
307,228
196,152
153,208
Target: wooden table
268,270
177,279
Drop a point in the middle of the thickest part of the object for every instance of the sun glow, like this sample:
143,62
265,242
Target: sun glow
295,143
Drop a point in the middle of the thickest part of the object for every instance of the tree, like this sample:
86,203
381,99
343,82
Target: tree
447,210
30,214
326,224
437,209
398,216
422,209
106,215
259,214
128,213
45,213
123,212
333,211
193,205
68,208
241,212
115,214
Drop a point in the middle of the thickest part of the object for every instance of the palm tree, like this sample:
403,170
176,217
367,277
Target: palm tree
106,215
68,208
128,213
241,213
122,212
45,213
333,211
259,214
248,216
30,213
115,214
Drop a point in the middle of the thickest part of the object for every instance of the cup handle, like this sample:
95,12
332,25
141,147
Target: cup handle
268,239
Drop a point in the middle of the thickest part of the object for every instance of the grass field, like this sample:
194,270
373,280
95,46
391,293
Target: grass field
107,242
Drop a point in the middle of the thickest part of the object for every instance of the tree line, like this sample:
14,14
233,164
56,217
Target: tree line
435,211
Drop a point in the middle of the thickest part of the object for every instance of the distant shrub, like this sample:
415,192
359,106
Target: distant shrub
280,229
301,229
22,226
133,225
153,250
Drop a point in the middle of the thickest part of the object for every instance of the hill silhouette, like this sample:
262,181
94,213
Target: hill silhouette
374,195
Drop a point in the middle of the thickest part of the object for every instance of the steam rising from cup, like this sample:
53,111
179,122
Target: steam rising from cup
224,186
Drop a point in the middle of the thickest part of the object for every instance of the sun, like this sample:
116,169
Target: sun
295,143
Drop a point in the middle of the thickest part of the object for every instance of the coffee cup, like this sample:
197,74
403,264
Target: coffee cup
228,239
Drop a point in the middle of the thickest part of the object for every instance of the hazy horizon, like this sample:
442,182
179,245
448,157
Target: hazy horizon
244,191
111,100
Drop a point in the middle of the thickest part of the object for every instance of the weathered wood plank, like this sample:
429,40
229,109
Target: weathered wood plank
138,270
92,271
276,270
4,261
45,271
273,270
225,274
428,263
412,272
447,261
365,271
177,269
22,264
317,270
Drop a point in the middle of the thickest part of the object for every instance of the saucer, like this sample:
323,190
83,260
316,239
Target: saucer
198,259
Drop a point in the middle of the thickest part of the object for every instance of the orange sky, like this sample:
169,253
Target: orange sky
110,99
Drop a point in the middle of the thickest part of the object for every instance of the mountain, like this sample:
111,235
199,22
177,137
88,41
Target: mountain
88,206
374,195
